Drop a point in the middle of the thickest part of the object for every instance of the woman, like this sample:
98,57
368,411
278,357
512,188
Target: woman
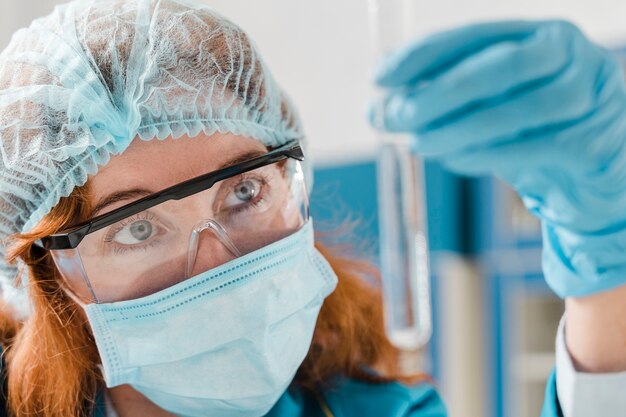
175,276
219,275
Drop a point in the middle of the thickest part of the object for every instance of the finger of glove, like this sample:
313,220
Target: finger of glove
425,58
495,71
551,107
533,169
547,178
505,158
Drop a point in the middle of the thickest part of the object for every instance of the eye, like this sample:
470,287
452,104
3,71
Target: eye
135,232
244,192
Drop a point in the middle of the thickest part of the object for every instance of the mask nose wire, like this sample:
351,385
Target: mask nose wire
194,238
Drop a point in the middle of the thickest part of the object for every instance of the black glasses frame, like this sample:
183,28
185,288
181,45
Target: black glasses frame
72,238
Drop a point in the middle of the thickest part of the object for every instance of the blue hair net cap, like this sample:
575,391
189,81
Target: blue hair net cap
80,84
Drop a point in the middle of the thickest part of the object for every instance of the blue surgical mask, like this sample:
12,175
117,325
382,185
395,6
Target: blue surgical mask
227,342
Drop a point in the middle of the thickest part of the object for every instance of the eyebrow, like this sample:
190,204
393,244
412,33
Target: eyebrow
136,193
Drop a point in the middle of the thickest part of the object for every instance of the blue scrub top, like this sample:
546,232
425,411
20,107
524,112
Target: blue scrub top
351,398
355,398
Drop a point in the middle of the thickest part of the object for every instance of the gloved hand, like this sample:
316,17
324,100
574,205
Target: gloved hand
543,108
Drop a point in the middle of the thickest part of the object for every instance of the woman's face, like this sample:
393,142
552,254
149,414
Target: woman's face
150,251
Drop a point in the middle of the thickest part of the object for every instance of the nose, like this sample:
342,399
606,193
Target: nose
209,247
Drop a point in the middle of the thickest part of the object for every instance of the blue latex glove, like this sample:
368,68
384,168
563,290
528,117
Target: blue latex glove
543,108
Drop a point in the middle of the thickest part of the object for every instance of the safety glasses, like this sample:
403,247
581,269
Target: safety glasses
184,230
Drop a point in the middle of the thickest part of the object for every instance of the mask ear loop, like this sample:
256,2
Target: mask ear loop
201,226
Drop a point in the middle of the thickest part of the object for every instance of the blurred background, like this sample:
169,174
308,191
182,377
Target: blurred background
494,318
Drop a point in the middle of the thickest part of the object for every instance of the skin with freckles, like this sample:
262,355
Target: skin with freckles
157,164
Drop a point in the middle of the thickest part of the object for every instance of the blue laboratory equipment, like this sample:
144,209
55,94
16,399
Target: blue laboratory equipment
401,204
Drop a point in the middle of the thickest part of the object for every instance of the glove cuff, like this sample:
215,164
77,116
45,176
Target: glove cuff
578,264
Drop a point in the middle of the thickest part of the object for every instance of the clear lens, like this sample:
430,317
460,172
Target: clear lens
168,243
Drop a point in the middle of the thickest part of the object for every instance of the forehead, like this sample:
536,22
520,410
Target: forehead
157,164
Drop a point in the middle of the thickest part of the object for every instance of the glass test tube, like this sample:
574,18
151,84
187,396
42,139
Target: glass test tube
401,205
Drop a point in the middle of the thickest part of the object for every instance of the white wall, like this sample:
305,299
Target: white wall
319,49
